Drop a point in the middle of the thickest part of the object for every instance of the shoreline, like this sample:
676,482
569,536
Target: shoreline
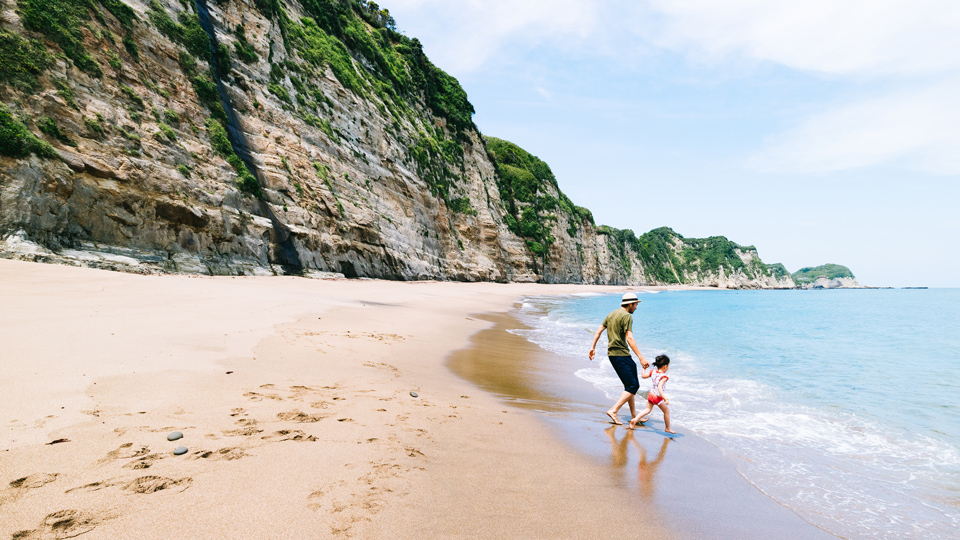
294,398
696,489
295,401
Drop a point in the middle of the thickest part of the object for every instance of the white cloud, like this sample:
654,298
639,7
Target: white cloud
920,127
868,37
882,43
463,35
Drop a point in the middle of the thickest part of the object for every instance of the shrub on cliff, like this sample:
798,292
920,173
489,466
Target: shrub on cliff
220,142
525,183
187,32
22,60
61,21
17,141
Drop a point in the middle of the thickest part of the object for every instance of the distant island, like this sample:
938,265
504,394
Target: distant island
825,276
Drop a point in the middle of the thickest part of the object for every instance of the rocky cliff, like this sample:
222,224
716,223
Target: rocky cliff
269,136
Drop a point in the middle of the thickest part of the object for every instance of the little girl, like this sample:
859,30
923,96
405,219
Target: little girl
656,397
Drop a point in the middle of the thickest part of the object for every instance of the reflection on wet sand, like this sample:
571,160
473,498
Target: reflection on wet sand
509,366
646,470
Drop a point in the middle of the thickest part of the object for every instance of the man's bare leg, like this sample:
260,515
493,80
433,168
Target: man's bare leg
624,398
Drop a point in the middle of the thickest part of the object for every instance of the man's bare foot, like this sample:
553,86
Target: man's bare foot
643,420
613,419
670,431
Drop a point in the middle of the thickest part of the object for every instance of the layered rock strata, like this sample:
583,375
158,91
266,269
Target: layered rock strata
263,137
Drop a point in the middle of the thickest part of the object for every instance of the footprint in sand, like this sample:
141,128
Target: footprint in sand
20,486
384,366
126,451
62,524
254,396
95,486
290,435
143,463
299,417
243,432
226,454
247,429
142,484
153,484
313,500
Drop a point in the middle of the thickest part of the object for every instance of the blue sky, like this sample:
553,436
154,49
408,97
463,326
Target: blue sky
818,131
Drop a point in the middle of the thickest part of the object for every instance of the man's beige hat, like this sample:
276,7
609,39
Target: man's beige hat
629,298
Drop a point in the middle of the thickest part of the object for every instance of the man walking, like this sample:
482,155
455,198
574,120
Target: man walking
619,327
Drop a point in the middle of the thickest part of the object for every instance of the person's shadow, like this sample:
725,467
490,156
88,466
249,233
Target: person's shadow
646,470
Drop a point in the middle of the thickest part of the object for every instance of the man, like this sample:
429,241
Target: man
619,327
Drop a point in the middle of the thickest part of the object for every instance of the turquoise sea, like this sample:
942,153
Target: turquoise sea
843,405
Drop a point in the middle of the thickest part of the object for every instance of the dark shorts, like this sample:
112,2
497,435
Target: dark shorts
626,369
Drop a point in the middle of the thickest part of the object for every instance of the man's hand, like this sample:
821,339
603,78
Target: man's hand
596,338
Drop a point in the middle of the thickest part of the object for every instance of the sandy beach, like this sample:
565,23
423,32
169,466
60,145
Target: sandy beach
320,409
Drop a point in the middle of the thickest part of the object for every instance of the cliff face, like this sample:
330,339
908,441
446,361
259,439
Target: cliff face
262,136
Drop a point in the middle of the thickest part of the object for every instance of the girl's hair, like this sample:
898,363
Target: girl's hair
662,360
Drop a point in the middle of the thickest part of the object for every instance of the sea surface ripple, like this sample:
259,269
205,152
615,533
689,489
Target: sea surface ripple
842,404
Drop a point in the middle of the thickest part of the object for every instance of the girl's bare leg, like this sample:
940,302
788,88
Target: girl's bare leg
636,419
666,417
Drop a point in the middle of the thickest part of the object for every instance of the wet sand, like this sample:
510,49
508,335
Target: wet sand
684,481
294,399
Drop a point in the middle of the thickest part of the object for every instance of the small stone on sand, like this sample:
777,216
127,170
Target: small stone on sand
414,394
174,436
180,450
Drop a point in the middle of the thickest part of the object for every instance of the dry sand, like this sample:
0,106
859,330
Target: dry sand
294,398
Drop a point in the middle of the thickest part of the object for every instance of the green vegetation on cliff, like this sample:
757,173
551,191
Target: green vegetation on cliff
667,257
186,32
778,270
61,21
829,271
525,184
17,141
393,67
246,182
22,60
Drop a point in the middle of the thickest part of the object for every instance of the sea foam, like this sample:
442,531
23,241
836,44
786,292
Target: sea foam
849,474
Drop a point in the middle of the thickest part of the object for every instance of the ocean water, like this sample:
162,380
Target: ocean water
843,405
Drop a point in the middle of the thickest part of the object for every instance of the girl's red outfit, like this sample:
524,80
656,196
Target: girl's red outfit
654,395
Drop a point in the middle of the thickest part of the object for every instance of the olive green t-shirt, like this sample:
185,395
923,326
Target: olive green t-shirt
618,323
